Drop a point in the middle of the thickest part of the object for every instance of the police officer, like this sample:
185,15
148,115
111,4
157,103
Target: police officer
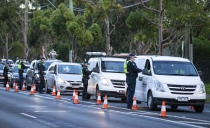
131,75
85,77
41,69
21,67
5,73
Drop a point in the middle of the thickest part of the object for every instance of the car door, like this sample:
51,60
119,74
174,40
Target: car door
91,81
139,91
147,79
50,76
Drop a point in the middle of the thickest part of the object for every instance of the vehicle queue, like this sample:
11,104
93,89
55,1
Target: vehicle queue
151,79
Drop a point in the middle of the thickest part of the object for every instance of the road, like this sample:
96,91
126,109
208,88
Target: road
21,110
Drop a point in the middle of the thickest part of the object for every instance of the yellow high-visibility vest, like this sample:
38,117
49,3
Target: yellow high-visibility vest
125,66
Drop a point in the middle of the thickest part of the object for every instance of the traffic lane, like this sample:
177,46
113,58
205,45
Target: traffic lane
183,113
54,113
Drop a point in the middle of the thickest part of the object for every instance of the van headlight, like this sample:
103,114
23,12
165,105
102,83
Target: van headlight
104,81
201,89
61,81
159,86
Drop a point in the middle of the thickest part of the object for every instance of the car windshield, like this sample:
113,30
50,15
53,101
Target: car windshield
47,64
112,66
1,66
15,70
174,68
69,69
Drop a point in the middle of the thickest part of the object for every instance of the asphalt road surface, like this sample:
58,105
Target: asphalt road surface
21,110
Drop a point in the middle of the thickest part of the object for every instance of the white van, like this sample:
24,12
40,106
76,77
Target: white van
174,80
108,77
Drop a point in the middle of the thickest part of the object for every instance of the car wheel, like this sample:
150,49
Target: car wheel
123,99
150,102
46,88
199,108
174,107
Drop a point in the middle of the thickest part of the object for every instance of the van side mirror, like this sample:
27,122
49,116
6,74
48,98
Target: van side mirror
146,72
95,70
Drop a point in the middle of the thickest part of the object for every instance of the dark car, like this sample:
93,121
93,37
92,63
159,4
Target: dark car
32,76
15,74
1,73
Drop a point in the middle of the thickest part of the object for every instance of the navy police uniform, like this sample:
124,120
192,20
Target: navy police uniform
131,75
5,73
21,68
85,78
41,69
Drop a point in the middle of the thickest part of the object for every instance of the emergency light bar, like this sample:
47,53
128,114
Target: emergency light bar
96,53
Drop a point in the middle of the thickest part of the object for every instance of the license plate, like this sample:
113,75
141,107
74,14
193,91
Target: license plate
183,99
75,86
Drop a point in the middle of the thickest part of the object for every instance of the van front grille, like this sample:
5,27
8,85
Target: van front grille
118,83
182,89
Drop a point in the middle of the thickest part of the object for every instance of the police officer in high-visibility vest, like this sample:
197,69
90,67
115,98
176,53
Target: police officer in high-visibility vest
85,77
131,75
41,69
5,74
21,67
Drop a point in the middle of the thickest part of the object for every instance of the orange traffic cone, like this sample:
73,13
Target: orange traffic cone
163,110
76,99
7,86
54,92
134,107
58,95
99,98
24,87
16,88
105,105
32,90
74,94
14,85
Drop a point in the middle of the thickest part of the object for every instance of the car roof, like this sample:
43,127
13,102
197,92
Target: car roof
66,63
107,59
163,58
53,60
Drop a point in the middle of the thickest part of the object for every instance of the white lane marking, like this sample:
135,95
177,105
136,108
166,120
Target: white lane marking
195,122
50,111
28,115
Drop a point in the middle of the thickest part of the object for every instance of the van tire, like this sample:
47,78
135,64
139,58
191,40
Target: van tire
199,109
150,102
46,88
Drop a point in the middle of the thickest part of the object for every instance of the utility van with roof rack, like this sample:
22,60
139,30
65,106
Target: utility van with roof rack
107,77
174,80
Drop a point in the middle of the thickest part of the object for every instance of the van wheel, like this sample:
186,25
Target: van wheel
150,102
199,109
123,99
97,91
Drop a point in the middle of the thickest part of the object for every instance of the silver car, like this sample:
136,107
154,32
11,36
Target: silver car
65,76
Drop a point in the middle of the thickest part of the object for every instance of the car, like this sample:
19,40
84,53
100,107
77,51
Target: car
15,74
1,73
32,76
174,80
64,76
107,77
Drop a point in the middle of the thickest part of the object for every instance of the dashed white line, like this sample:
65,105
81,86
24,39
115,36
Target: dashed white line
28,115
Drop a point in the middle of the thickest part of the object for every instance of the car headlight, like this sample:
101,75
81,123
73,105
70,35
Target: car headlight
201,89
104,81
61,81
159,86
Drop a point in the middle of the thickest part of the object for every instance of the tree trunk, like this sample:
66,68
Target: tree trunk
108,48
25,30
6,46
161,29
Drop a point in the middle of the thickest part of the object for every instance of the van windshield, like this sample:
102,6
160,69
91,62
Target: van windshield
174,68
112,66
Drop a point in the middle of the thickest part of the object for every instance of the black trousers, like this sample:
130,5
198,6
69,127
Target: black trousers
5,80
85,86
41,85
131,82
20,81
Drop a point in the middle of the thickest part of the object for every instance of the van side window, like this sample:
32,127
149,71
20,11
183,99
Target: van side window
147,68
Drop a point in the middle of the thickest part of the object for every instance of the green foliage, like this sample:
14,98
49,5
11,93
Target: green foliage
62,50
17,50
